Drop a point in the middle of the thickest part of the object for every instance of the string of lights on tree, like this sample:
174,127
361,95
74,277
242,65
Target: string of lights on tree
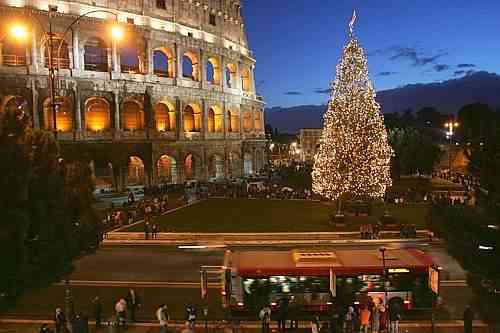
353,159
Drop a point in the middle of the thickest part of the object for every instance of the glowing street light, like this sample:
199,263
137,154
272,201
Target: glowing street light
19,32
117,32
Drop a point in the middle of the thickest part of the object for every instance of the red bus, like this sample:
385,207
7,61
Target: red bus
314,280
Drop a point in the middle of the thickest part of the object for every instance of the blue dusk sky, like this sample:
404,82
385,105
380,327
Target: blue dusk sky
297,43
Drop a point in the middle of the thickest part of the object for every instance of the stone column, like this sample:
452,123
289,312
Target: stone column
204,164
34,51
202,69
115,57
237,84
76,49
204,118
241,134
180,119
227,164
116,98
222,73
224,119
150,57
178,57
78,111
34,105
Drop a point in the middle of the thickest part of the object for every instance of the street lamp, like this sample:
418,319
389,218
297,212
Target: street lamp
20,33
450,126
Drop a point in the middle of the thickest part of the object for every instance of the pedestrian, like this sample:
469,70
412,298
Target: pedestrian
45,328
97,305
468,317
133,303
154,230
376,319
191,315
383,317
365,318
265,318
163,318
121,315
315,325
60,321
146,230
283,314
349,320
394,317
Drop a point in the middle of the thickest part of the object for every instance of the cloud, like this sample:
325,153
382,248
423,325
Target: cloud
466,65
386,73
322,91
416,57
463,72
441,67
292,93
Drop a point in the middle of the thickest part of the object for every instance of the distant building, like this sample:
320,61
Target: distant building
309,139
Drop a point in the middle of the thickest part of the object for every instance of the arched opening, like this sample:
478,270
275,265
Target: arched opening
192,118
235,165
213,71
165,117
258,120
190,167
97,114
231,76
135,171
248,164
233,119
163,62
96,55
60,56
13,52
64,115
102,174
132,116
216,167
167,170
17,105
246,82
190,66
129,58
211,120
247,121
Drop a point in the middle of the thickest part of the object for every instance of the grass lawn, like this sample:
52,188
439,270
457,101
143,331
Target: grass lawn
243,215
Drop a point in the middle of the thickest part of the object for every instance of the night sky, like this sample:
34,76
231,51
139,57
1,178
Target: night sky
297,43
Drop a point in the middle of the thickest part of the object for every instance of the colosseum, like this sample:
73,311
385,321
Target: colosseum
167,98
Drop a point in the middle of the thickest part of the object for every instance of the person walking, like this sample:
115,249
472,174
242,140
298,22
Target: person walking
350,316
383,317
121,308
163,318
394,317
133,303
97,305
147,230
315,325
60,321
468,317
191,315
376,319
365,318
283,314
265,318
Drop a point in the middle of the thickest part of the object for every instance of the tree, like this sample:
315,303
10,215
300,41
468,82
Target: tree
353,159
429,117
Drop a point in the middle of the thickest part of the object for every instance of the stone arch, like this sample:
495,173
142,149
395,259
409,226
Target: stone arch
166,169
132,115
233,121
163,62
230,73
247,121
60,57
215,119
95,56
248,167
213,70
234,164
64,114
97,114
102,174
192,118
165,117
258,120
246,80
135,175
12,103
13,52
190,66
192,166
216,167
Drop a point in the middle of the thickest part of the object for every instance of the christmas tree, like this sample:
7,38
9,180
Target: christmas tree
353,159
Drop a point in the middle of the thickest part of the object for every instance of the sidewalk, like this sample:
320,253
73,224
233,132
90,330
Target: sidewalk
299,238
33,326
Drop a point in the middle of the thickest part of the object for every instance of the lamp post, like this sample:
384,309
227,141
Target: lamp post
450,126
382,251
20,32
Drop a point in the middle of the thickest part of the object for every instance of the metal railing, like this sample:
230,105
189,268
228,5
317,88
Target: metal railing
13,60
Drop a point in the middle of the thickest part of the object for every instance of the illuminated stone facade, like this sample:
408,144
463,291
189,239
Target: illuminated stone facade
173,100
